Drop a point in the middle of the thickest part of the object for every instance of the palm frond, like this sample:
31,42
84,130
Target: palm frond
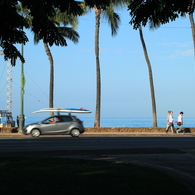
112,18
69,33
119,4
66,19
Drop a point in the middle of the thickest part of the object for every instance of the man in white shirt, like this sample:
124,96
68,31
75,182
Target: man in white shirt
180,122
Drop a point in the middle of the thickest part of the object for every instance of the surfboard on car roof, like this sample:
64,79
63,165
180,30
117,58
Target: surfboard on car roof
65,110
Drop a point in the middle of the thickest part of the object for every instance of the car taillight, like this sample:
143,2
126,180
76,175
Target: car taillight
80,122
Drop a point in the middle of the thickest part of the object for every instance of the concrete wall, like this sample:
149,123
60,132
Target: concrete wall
133,129
112,129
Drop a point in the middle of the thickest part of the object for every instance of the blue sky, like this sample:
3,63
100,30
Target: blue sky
124,72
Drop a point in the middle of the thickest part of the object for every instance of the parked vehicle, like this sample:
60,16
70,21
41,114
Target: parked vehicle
56,125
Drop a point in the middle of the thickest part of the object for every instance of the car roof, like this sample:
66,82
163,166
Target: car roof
60,115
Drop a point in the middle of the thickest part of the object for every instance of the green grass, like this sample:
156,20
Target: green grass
36,175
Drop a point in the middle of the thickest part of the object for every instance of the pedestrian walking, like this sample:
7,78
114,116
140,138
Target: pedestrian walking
180,122
171,122
167,121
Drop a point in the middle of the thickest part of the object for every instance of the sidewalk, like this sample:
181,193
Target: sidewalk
110,134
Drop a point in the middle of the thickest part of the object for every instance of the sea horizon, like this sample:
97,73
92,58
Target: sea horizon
121,121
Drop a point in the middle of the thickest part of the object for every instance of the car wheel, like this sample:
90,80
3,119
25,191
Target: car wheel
35,133
75,133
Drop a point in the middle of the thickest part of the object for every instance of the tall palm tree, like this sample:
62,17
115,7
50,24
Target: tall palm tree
105,9
161,13
150,78
61,20
98,73
191,17
66,32
133,10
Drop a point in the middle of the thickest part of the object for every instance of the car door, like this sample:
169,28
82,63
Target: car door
64,125
48,127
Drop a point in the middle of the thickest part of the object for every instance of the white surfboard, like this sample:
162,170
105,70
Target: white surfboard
67,110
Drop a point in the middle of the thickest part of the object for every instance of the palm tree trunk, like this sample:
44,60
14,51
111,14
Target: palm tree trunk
193,29
150,78
51,84
98,78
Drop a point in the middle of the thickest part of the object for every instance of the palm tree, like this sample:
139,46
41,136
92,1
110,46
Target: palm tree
150,78
98,73
152,91
66,32
191,10
105,9
161,13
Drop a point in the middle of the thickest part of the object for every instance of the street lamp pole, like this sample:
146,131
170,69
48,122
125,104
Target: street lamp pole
21,119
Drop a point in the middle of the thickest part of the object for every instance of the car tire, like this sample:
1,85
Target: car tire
75,133
35,133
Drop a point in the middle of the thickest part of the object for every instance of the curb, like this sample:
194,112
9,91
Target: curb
106,135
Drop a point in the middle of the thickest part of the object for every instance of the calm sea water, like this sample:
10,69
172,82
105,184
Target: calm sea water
122,121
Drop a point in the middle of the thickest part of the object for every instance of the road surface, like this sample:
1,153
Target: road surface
173,155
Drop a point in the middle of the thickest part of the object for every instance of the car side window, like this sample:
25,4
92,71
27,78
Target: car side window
55,119
66,119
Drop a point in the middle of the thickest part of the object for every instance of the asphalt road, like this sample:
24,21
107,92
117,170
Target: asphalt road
93,143
174,155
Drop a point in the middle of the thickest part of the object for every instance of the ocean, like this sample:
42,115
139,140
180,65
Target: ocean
121,121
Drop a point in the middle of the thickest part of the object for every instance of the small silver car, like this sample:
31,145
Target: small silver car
56,125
